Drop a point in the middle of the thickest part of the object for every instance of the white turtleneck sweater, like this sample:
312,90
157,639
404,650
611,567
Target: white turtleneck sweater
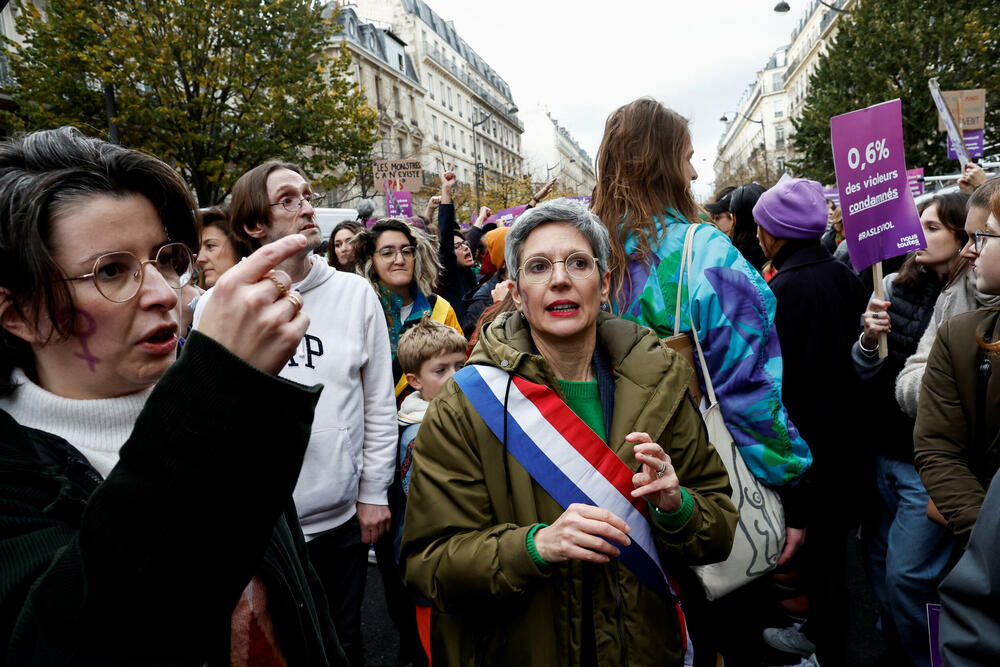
98,427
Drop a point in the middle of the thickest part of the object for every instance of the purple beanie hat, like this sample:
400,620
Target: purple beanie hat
794,209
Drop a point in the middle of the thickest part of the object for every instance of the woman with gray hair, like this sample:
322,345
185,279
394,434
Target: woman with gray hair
556,471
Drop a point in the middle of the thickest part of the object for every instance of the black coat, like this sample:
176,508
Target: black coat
146,567
819,306
455,281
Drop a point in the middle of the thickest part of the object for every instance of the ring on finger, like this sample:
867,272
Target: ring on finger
282,290
659,473
295,299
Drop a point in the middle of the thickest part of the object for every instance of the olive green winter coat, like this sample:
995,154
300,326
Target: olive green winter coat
464,536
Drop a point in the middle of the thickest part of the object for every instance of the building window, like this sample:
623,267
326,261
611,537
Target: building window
779,108
776,81
441,83
402,149
449,99
430,85
781,164
434,124
461,135
399,57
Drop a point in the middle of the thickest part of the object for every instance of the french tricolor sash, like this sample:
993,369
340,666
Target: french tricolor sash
568,460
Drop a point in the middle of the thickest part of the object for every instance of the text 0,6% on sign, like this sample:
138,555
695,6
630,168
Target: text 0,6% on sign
874,151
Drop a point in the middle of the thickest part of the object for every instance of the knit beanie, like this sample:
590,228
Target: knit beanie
793,209
496,240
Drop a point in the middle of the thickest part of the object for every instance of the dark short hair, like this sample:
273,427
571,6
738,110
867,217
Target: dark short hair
218,217
45,174
354,227
249,204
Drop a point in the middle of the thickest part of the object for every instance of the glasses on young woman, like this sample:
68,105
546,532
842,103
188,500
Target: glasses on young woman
389,253
118,275
981,239
538,270
293,204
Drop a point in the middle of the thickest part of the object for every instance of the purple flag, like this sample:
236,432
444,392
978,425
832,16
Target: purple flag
880,218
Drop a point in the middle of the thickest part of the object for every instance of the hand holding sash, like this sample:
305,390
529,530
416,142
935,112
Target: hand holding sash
582,532
656,481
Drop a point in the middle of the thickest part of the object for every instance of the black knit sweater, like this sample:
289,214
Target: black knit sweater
146,566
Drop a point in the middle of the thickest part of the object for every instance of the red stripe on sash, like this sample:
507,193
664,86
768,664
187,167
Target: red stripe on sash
583,439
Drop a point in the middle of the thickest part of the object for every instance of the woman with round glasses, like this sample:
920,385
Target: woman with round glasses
557,475
144,517
401,264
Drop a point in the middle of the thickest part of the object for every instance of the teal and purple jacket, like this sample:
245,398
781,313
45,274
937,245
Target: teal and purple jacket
733,309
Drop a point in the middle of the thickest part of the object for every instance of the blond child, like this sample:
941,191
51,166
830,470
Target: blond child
429,353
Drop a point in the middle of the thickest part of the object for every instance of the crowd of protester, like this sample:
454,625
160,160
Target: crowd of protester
197,456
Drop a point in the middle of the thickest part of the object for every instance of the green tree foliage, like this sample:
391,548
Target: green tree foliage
886,50
213,88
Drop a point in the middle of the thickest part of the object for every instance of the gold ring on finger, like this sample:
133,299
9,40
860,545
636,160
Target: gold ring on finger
282,290
295,299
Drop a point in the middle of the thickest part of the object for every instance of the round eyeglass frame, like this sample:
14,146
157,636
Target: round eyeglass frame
139,274
541,279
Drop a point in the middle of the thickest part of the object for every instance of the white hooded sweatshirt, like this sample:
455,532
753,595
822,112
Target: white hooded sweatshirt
351,453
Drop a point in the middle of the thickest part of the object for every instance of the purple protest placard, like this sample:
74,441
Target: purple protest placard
973,140
398,204
880,218
833,195
915,179
933,630
505,216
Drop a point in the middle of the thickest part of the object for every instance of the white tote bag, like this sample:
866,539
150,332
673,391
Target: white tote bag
760,534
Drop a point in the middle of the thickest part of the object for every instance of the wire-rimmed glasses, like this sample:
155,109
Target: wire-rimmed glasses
293,204
538,270
118,275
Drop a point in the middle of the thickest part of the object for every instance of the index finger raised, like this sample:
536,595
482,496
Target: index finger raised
265,258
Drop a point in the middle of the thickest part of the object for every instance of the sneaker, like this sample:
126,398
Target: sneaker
789,640
811,661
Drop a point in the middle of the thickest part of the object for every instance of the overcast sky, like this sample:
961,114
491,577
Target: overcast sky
584,59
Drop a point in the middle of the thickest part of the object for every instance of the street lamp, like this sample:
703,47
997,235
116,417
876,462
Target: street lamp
475,147
782,7
549,169
763,144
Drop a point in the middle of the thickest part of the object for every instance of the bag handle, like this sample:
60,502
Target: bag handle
686,267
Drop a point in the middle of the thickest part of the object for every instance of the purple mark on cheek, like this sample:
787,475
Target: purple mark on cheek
91,360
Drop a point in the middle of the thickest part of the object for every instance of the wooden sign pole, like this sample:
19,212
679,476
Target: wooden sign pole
883,341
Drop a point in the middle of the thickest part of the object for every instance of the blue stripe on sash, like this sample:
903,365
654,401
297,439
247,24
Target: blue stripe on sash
562,489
